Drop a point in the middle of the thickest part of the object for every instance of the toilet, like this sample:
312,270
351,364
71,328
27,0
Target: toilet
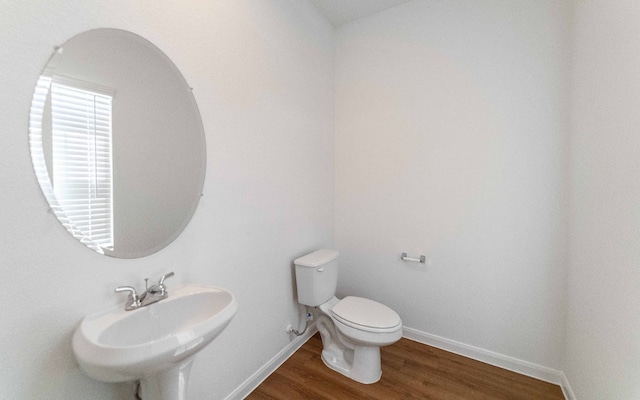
352,329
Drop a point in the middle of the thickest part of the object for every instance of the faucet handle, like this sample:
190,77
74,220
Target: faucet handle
131,289
165,276
134,299
159,289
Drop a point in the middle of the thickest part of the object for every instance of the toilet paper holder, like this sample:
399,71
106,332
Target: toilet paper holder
422,259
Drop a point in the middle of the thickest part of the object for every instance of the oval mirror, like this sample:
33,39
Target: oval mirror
117,143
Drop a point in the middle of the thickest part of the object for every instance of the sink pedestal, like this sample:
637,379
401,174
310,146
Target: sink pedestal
167,385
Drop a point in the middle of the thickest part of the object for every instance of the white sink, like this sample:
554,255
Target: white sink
155,344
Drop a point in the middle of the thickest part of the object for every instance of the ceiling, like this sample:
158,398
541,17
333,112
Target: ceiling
342,11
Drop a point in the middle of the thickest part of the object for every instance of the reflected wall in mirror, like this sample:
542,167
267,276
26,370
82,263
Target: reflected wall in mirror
117,143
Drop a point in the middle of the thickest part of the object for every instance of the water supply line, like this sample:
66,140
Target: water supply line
308,317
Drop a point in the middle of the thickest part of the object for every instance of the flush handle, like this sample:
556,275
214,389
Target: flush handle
320,269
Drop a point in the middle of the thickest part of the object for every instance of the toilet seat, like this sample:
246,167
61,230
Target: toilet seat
366,315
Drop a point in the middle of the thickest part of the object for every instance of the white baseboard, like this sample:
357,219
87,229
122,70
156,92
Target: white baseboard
566,388
260,375
499,360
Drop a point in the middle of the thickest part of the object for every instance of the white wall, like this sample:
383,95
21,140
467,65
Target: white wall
603,329
451,142
451,122
262,74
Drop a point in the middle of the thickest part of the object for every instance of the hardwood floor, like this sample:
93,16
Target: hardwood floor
410,370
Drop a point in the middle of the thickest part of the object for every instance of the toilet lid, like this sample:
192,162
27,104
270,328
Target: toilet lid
365,313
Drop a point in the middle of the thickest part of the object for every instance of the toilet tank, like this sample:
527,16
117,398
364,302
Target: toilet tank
317,277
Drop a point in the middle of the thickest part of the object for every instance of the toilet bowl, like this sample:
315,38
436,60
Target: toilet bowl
366,321
352,334
352,329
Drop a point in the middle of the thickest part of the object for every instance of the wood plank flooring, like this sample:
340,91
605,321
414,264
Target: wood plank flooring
410,370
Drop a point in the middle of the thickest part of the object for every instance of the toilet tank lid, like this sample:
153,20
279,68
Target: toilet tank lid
317,258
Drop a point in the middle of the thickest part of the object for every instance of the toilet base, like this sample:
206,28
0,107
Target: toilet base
364,368
358,362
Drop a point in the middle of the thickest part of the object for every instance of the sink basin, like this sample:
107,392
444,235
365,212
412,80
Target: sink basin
155,344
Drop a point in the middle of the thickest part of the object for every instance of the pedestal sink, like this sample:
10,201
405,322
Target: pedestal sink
155,344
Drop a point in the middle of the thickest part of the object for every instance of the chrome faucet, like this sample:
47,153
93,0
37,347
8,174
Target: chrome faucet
133,301
151,294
